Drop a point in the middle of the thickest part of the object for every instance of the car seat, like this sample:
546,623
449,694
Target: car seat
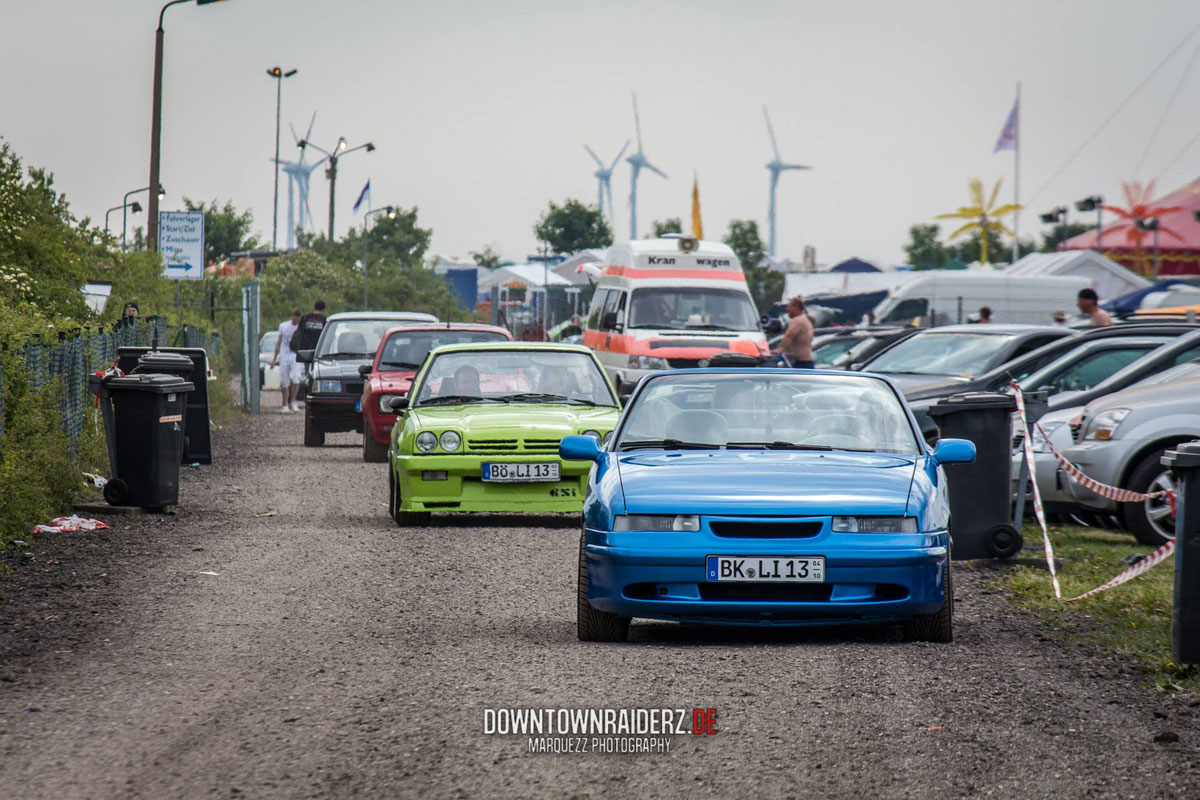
352,342
698,425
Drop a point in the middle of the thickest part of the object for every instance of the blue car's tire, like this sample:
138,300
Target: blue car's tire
596,626
936,627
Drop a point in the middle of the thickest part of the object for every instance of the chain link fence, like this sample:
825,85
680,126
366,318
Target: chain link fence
76,355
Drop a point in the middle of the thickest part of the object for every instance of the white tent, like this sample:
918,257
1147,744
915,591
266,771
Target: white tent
1108,278
534,276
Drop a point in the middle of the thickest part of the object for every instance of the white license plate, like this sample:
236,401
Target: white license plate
766,569
522,472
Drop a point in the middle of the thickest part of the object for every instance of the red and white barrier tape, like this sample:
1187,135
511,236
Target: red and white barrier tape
1104,490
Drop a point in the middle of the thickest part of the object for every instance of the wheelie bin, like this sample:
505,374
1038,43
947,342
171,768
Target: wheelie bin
980,502
191,364
143,426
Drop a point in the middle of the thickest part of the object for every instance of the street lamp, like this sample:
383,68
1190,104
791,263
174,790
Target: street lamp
331,171
154,204
156,118
1150,225
133,207
278,74
390,213
1054,215
1093,203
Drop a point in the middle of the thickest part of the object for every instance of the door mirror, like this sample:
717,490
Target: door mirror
304,356
610,321
772,326
954,451
579,448
364,369
856,366
624,399
398,404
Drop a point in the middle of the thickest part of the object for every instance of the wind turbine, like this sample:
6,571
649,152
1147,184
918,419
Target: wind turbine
637,161
604,178
298,173
776,167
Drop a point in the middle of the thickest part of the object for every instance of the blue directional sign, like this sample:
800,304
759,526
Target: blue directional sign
181,244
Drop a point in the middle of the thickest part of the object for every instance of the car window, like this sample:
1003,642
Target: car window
352,337
840,412
933,353
1034,343
268,342
1187,355
514,376
1091,369
830,351
907,310
593,320
409,348
610,305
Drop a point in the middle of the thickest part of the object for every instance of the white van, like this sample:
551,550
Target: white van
952,297
674,302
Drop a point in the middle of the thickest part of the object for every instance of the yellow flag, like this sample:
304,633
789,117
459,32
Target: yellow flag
697,225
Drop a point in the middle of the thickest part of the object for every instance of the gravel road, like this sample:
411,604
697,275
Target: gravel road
333,654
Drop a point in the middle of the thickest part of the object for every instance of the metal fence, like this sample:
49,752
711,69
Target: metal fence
76,355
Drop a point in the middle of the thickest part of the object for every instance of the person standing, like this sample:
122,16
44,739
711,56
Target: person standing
309,330
1089,304
985,315
796,346
290,373
1060,318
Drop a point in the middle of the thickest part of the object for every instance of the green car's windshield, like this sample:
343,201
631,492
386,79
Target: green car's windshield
514,376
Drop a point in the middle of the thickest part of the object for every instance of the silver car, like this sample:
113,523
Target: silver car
1119,440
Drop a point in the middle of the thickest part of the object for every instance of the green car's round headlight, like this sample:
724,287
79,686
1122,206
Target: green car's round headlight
607,438
426,442
594,436
450,441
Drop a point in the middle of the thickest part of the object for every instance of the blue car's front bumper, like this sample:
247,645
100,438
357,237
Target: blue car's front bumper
869,577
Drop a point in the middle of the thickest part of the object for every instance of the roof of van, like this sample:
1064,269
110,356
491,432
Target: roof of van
638,247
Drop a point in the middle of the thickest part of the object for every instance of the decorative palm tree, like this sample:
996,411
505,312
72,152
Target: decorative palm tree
981,217
1140,206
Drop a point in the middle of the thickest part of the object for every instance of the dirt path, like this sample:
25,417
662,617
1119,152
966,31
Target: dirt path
335,655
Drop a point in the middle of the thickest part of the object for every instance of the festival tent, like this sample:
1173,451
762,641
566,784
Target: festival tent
1179,254
854,265
1108,278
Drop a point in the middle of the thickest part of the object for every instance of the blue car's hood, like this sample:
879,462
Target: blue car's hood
750,482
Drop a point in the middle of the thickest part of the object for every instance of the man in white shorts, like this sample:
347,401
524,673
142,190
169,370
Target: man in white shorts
290,371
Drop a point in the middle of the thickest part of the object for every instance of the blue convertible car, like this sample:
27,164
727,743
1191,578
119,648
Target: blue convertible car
766,497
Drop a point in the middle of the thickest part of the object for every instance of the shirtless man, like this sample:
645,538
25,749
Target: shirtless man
1089,304
796,346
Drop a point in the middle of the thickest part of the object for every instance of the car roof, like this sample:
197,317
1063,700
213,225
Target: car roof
995,328
446,326
543,346
406,316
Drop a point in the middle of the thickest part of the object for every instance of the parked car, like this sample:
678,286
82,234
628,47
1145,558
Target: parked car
765,497
332,383
268,376
401,352
480,428
1183,348
873,341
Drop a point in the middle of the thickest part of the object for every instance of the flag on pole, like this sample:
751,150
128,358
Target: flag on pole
697,225
363,195
1008,136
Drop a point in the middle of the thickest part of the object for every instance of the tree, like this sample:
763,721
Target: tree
1054,237
572,227
982,216
487,257
669,225
766,285
924,250
225,230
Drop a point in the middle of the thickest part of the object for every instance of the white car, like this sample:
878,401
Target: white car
268,376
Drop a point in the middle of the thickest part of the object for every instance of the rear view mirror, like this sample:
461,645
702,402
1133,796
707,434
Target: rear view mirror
364,369
954,451
398,404
304,356
579,448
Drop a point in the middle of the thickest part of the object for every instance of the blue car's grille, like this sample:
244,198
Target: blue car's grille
769,592
747,529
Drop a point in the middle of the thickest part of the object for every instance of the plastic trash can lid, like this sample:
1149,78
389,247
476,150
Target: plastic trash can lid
149,382
973,401
153,360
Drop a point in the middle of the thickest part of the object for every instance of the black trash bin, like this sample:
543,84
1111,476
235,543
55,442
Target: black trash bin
980,502
143,424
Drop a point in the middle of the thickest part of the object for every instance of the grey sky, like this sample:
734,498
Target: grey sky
479,110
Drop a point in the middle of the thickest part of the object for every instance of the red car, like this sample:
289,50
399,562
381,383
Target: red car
400,353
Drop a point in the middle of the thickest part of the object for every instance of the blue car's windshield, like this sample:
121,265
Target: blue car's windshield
770,410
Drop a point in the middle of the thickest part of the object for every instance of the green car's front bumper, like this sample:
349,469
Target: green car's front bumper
465,490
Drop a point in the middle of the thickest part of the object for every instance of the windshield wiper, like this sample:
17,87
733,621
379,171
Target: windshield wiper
347,355
655,325
777,446
712,327
458,398
407,364
533,397
668,444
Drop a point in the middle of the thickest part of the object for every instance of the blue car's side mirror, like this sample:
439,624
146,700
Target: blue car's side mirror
954,451
584,448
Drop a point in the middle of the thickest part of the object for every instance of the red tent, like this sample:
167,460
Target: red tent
1179,254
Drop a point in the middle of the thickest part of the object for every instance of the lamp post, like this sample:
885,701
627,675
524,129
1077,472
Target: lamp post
1055,215
133,207
1151,225
278,74
390,212
154,203
156,119
1093,203
331,171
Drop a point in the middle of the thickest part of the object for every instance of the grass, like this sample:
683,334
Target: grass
1133,619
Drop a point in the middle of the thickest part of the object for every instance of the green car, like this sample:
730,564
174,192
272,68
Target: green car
480,428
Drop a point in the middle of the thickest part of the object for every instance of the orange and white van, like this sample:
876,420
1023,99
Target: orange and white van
673,302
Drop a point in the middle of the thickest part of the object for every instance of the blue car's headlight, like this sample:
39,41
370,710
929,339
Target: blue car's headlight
875,524
656,522
329,386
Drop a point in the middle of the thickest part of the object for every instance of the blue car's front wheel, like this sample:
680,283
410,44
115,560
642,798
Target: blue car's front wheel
596,626
938,626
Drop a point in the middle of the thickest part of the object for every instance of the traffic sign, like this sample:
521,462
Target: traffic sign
181,244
